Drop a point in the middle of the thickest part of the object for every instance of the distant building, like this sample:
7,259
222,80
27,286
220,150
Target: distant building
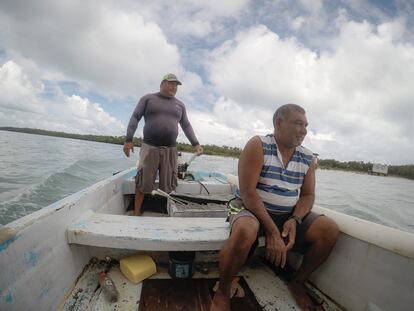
379,169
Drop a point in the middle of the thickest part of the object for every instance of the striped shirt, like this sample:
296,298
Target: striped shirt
279,186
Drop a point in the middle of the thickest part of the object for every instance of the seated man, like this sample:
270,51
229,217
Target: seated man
277,191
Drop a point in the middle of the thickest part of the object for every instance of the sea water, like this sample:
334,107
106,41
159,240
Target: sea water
36,171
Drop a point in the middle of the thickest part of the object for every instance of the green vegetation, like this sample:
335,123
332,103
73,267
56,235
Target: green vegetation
119,140
406,171
212,150
346,166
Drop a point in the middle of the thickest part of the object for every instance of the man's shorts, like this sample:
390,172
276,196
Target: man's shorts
237,210
152,159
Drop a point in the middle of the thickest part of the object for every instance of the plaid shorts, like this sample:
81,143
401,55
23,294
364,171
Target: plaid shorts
152,159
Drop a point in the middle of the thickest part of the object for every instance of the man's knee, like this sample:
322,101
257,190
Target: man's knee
244,233
323,229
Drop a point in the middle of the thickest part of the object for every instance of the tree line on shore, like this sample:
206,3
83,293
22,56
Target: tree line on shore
119,140
406,171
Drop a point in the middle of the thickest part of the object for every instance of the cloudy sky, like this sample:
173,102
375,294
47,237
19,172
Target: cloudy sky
81,67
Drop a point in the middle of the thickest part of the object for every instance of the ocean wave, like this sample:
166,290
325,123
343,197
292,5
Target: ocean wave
76,176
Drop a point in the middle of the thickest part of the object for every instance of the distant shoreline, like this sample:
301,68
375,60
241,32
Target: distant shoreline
405,171
119,140
358,172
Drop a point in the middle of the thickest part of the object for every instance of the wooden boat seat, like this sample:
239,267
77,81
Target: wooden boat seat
149,233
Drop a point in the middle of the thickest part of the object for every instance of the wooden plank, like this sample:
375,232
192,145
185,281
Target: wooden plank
149,233
189,294
169,295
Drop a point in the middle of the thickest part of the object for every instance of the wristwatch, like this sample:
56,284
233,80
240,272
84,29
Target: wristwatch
296,218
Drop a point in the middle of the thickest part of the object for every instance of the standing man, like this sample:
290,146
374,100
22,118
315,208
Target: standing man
277,191
162,112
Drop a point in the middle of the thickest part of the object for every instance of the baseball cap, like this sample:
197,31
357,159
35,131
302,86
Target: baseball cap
171,77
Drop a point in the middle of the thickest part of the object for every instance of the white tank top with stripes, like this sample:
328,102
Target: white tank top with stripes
279,186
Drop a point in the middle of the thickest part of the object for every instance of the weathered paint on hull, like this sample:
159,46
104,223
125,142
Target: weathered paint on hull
37,265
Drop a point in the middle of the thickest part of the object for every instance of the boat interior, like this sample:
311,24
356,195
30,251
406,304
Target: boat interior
258,286
54,256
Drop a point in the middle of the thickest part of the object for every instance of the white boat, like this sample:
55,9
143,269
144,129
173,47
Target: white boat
46,258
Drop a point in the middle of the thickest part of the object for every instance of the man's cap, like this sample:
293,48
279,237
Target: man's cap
171,77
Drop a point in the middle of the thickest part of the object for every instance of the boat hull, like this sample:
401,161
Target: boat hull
370,268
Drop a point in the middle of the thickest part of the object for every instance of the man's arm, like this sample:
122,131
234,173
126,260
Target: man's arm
307,193
189,132
303,206
133,124
250,167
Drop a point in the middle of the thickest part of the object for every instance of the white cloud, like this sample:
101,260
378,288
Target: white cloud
23,105
17,91
221,8
259,69
358,97
173,15
313,6
196,28
103,47
79,115
350,66
213,9
393,30
297,22
117,49
228,124
209,131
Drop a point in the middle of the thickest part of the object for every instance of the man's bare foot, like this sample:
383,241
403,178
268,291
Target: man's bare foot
221,302
137,213
298,291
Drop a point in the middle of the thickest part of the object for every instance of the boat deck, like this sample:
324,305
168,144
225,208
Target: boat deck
264,290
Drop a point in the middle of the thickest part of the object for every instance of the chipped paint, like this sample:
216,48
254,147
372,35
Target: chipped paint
31,258
7,243
7,236
81,224
8,297
44,291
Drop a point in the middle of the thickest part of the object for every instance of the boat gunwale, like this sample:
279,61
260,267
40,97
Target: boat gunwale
394,240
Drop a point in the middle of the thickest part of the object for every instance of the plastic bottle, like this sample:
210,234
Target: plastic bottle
108,287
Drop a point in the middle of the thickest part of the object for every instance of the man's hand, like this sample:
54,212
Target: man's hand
198,150
275,249
127,148
289,231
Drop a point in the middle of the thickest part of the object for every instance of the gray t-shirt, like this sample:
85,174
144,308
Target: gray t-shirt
161,115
